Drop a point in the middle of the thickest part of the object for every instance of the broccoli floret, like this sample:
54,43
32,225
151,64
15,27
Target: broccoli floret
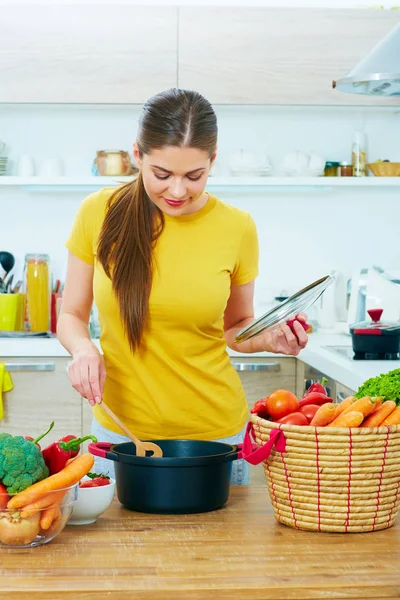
21,463
387,385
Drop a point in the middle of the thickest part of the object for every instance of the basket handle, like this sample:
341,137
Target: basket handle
255,455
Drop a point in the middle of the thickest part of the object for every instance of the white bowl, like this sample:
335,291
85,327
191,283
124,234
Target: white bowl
91,503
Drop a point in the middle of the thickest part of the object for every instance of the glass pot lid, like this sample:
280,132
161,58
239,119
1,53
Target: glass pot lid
286,310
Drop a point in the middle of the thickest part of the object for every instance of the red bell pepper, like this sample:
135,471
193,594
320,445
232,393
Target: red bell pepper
317,387
4,497
315,398
36,440
260,409
58,453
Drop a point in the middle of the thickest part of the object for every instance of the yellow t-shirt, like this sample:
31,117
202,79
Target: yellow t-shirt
180,384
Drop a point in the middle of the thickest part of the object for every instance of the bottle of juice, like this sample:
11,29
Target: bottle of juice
37,278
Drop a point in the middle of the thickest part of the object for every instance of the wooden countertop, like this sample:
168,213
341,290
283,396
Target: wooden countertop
239,552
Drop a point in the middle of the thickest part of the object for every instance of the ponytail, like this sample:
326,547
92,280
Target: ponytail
131,227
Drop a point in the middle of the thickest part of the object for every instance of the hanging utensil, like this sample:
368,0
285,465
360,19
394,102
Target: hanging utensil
17,287
286,310
141,447
8,283
7,261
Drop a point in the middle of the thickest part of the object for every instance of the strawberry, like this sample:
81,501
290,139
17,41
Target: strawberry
95,480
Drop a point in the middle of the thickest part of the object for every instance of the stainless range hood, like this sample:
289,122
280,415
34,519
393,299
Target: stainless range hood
379,73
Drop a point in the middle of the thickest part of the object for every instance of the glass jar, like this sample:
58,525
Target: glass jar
346,169
37,283
331,169
112,163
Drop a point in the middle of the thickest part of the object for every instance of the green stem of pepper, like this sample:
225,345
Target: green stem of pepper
43,434
73,445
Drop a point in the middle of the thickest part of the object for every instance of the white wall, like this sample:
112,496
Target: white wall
387,4
303,234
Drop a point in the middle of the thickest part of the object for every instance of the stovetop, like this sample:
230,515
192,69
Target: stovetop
348,352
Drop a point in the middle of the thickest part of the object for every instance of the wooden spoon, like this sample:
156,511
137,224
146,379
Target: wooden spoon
141,447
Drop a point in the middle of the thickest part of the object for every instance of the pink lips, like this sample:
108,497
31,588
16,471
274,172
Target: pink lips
175,203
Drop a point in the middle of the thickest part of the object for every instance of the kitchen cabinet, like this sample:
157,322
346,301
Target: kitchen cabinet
307,375
277,55
86,54
42,393
260,377
342,392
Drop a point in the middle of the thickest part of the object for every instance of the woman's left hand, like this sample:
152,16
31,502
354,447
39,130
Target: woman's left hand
281,339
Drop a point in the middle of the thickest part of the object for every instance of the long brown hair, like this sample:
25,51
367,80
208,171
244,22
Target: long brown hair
133,222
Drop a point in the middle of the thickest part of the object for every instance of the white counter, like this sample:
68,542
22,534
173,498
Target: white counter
348,372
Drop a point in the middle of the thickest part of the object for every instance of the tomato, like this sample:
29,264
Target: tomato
280,403
309,411
295,418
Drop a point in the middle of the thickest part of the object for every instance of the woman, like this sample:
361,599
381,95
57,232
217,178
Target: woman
172,271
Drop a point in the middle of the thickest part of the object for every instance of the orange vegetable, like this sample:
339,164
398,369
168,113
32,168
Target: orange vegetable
354,418
68,476
48,516
324,415
394,417
46,501
366,405
380,414
343,405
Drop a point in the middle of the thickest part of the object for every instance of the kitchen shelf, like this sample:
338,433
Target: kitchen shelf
36,184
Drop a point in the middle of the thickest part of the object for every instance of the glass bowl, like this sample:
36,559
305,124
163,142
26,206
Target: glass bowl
31,526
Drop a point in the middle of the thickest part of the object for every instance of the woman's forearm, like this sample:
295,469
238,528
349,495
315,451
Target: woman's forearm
255,344
73,334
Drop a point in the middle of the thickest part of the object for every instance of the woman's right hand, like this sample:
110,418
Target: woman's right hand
87,374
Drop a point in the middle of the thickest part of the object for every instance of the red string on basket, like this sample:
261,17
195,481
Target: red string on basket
289,492
349,480
318,481
273,492
394,504
378,496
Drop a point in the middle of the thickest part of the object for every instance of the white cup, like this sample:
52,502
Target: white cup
51,167
26,167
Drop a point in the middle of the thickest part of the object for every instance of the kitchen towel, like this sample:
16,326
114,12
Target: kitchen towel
6,385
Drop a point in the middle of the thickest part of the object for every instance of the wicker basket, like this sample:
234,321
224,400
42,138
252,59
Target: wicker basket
332,479
385,169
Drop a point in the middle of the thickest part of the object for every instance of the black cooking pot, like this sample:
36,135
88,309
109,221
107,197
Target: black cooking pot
191,477
376,339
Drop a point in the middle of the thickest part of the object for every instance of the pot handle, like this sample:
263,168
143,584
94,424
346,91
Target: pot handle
102,449
256,455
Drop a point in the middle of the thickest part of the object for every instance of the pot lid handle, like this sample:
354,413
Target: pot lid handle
375,314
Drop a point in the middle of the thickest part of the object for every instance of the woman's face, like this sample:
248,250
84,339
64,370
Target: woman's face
175,178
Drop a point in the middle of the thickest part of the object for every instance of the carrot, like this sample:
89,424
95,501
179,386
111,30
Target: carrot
47,501
354,418
378,416
68,476
48,516
394,417
365,405
344,404
56,519
324,415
